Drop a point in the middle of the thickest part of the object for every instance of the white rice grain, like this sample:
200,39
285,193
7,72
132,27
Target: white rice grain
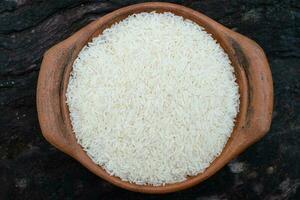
153,99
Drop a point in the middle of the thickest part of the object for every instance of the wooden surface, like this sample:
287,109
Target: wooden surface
251,68
32,169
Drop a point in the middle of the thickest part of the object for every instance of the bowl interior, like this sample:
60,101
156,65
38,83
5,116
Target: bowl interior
217,31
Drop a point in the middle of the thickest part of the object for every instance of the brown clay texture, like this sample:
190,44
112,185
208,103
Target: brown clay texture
251,68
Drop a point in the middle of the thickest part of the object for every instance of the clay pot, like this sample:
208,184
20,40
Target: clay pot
251,69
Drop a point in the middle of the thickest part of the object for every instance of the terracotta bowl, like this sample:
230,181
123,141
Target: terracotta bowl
251,69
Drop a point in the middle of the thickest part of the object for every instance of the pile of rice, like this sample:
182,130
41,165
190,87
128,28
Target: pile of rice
153,99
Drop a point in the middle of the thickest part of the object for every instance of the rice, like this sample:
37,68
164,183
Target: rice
153,99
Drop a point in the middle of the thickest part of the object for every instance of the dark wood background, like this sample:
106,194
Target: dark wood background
32,169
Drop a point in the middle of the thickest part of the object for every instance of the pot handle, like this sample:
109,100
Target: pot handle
259,96
48,98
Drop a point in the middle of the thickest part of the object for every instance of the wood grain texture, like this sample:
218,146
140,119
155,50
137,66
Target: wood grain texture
31,168
252,72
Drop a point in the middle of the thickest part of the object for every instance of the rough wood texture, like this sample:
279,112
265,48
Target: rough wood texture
31,169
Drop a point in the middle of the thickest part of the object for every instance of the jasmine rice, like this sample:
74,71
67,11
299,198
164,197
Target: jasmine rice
153,99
